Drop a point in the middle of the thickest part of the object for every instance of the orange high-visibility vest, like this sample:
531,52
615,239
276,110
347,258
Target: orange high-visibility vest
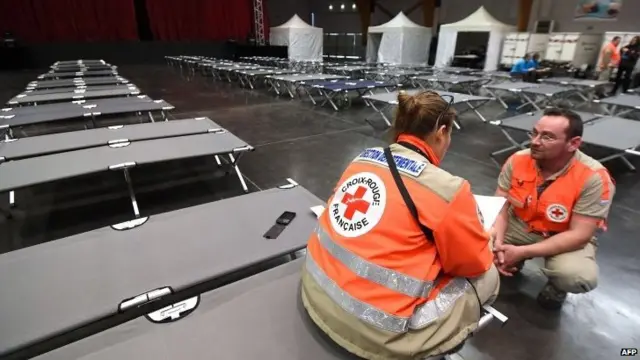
615,55
549,210
369,255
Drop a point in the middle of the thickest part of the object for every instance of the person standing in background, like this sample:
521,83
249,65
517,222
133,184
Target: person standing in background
628,58
609,59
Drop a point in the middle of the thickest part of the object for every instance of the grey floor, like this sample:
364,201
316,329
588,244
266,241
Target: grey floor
295,140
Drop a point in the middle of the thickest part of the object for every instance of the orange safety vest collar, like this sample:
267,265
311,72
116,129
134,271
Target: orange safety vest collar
422,145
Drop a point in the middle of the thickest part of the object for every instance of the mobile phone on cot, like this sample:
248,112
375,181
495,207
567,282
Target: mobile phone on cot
286,218
281,223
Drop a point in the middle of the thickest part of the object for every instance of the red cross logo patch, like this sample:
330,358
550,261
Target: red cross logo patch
557,213
358,204
355,203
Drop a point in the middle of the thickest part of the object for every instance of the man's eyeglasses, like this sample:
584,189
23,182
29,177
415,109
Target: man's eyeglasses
545,138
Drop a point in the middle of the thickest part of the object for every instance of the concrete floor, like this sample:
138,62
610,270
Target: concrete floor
295,140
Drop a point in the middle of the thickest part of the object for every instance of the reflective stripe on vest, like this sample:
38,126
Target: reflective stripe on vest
388,278
424,314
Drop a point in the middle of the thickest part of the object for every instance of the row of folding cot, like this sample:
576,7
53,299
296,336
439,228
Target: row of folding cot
611,123
61,299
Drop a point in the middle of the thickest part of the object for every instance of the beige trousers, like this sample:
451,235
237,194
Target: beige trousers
487,285
604,75
573,272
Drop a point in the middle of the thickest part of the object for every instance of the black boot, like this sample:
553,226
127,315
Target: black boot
551,298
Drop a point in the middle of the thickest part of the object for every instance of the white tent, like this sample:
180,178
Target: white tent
304,41
479,21
400,41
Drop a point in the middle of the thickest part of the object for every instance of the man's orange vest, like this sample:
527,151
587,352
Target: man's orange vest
370,256
547,206
615,55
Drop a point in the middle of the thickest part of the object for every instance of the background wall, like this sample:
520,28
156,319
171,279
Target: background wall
282,10
452,10
348,21
562,12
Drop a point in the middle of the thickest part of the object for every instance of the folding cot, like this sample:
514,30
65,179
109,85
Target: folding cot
57,90
81,67
629,103
249,77
415,66
268,61
12,118
77,82
304,66
202,65
80,61
330,90
51,96
183,62
456,70
495,76
389,100
193,64
223,71
497,90
352,71
85,283
545,95
130,148
172,60
294,83
448,82
259,317
587,89
613,133
525,123
398,76
22,148
73,74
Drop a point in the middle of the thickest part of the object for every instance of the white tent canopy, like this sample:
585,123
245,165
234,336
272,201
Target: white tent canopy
400,41
479,21
304,41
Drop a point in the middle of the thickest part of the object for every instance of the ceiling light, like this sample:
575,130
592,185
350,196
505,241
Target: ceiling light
342,6
330,7
353,6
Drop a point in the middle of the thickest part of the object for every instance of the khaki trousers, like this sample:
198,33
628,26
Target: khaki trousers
605,75
573,272
487,285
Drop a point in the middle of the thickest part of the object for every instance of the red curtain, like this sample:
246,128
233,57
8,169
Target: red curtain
69,20
200,19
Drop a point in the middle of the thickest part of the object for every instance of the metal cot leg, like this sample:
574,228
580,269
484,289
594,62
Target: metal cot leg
381,112
494,94
234,163
132,195
515,146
